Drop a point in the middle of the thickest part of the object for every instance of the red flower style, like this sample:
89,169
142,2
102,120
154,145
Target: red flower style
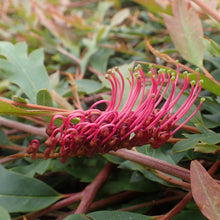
102,131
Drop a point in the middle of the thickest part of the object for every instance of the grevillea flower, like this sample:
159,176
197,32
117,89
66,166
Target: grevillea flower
140,121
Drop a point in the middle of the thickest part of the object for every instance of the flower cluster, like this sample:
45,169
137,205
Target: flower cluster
139,121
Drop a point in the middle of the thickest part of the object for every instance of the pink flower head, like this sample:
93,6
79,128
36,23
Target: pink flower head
140,121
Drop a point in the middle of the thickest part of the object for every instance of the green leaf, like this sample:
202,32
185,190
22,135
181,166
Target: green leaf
212,47
83,168
117,215
208,136
28,72
88,86
19,99
126,179
39,166
99,60
205,191
91,49
4,138
185,144
113,159
207,139
19,193
155,6
212,120
208,84
120,16
4,214
189,214
206,148
77,217
185,34
109,215
6,108
197,118
44,98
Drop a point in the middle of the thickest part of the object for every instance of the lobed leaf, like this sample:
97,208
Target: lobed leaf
28,72
208,139
39,166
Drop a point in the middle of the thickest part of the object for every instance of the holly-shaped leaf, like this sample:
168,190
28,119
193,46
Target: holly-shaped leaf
205,190
28,72
207,139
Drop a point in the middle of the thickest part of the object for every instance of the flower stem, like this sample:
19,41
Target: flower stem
153,163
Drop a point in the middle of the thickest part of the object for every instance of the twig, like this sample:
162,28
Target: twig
78,61
175,140
23,127
154,202
64,52
90,191
120,197
178,207
169,179
13,147
74,90
189,128
9,159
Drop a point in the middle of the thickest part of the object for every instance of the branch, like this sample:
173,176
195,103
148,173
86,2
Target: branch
169,179
154,202
91,190
22,127
179,207
153,163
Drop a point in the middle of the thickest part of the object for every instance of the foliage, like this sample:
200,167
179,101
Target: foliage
53,59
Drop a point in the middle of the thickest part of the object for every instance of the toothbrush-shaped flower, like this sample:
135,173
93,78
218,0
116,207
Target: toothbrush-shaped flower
140,121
